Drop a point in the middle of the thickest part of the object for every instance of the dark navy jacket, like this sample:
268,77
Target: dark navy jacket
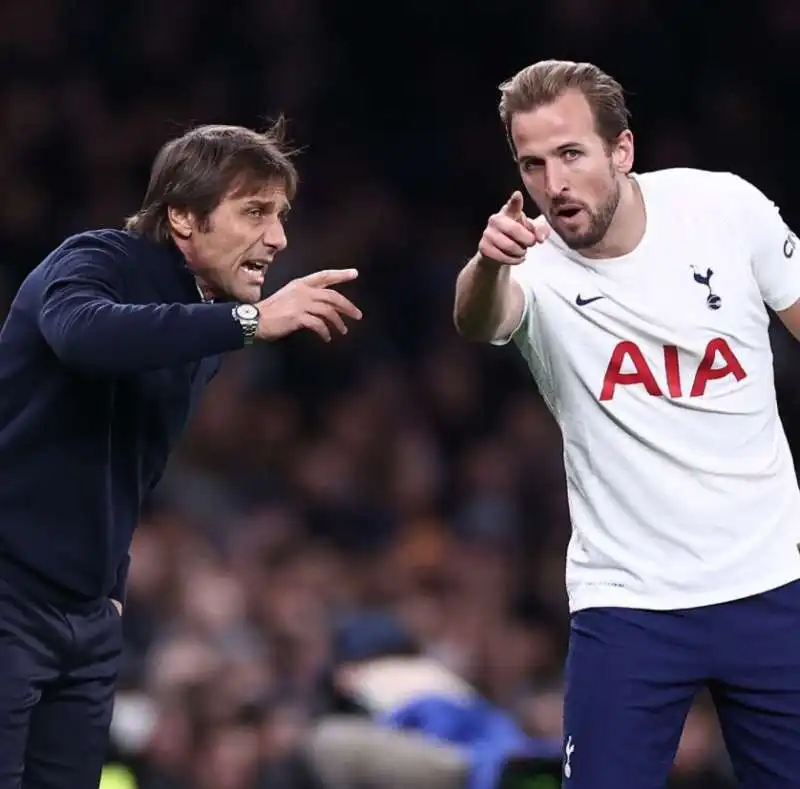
104,354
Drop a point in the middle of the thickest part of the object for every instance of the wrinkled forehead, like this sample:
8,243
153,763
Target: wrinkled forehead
250,186
542,131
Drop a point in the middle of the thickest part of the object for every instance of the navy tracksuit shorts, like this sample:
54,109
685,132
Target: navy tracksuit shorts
632,676
58,669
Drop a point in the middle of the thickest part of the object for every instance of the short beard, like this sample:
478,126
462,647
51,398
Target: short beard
599,222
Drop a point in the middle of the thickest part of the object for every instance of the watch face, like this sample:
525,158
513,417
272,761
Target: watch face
247,312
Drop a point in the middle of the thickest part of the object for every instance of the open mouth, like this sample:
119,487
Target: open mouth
568,212
255,266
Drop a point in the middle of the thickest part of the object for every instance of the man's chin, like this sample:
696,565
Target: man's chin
577,240
245,294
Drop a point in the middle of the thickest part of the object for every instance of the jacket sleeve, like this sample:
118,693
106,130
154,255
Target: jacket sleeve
87,325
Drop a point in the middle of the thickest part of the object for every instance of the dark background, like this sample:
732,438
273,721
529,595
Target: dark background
400,468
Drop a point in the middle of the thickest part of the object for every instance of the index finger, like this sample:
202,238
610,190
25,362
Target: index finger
328,277
513,207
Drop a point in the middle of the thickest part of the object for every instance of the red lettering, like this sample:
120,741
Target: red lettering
673,370
707,372
614,375
642,374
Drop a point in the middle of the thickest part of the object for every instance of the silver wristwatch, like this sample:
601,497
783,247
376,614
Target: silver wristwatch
246,315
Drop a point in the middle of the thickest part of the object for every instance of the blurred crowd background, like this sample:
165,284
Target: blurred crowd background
398,469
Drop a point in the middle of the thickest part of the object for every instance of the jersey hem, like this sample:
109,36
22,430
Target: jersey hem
616,597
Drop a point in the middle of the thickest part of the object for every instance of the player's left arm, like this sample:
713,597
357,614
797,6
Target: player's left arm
774,254
791,318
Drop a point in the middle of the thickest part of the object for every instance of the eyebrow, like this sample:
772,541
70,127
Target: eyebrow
259,202
565,146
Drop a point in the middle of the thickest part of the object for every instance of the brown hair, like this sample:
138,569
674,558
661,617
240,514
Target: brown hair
544,82
196,171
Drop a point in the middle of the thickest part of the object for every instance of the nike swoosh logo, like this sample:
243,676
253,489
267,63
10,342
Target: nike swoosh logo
583,302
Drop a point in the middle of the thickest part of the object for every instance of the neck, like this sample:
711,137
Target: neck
627,227
205,288
208,293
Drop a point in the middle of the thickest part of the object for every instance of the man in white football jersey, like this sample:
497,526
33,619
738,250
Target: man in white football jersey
638,302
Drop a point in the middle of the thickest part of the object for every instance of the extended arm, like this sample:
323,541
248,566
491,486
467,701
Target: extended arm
489,303
86,324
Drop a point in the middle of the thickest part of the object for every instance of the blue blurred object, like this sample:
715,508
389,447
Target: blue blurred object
488,736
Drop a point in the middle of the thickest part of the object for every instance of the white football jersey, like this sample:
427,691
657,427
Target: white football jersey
658,369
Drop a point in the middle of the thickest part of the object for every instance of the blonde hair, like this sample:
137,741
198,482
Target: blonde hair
544,82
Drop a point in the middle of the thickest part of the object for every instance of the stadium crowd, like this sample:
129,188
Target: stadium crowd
399,468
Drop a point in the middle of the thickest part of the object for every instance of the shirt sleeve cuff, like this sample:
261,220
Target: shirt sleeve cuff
499,341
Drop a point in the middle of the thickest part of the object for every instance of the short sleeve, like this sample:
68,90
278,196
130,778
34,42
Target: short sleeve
773,247
520,274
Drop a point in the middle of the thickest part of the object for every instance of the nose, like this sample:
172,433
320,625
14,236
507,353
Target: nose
555,182
275,236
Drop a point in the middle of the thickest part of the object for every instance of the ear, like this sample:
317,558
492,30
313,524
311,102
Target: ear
622,154
180,222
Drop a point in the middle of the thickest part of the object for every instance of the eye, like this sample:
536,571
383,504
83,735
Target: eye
571,154
255,212
531,164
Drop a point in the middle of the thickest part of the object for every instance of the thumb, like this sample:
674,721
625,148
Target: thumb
513,207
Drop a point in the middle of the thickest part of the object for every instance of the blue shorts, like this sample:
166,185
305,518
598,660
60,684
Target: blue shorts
631,677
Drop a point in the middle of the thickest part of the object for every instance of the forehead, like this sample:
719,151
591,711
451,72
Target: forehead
568,119
271,191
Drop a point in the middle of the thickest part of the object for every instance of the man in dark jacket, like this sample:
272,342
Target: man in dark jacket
106,350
